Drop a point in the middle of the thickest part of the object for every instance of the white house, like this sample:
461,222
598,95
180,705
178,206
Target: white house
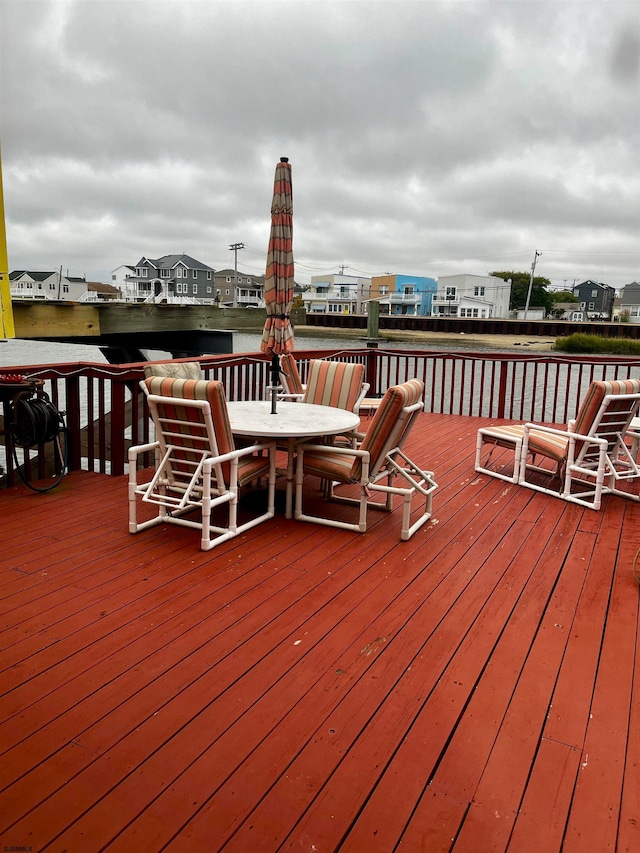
122,278
336,294
481,296
49,286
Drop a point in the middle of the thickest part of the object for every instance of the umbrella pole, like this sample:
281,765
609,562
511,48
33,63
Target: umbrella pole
275,384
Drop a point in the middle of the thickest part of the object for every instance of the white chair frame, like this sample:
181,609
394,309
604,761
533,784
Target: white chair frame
205,489
602,462
387,467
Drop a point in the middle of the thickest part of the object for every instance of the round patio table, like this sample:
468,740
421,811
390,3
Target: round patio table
293,423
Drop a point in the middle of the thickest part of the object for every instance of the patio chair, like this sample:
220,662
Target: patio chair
197,466
378,458
335,383
292,387
586,460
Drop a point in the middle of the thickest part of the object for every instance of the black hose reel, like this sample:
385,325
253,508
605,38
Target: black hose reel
36,421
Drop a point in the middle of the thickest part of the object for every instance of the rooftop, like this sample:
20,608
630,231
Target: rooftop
475,688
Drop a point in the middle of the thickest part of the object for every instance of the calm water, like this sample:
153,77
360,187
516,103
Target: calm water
25,353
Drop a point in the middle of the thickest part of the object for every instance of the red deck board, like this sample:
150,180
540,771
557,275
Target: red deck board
191,740
470,719
304,686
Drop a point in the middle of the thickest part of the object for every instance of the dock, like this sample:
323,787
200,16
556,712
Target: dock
476,688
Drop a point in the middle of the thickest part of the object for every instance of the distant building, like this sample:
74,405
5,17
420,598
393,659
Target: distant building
250,293
404,294
99,292
171,278
630,301
123,277
482,296
596,300
50,286
337,294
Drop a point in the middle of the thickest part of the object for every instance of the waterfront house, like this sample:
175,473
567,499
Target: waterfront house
481,296
596,300
630,301
337,294
48,286
249,289
408,295
176,279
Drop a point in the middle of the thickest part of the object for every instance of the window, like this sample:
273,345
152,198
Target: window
194,273
164,273
141,272
384,289
450,293
592,306
226,293
478,291
209,276
65,288
594,293
195,288
208,290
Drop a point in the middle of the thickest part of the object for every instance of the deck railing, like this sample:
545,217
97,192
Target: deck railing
106,410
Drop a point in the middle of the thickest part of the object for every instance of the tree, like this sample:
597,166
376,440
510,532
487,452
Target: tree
563,296
540,296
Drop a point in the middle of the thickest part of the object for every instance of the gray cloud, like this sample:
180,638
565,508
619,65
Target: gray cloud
425,137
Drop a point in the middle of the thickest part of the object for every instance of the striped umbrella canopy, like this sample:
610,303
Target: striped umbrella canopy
277,335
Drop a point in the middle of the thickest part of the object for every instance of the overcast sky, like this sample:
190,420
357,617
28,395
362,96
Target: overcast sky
425,137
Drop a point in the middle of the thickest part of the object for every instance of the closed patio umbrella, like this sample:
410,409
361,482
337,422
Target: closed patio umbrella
277,335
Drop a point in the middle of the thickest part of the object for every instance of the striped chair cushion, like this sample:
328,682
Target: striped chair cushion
593,400
249,467
290,368
198,389
345,468
334,383
541,443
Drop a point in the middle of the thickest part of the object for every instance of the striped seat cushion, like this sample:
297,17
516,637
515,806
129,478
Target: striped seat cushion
334,383
343,467
542,443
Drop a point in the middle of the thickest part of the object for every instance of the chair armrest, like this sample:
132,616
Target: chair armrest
137,449
563,432
302,448
293,397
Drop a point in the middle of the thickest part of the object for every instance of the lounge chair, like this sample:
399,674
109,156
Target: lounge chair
585,460
378,458
197,466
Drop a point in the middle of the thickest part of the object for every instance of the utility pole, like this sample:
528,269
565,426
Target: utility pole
234,248
343,267
533,269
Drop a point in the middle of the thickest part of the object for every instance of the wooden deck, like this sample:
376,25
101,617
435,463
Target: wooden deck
301,688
